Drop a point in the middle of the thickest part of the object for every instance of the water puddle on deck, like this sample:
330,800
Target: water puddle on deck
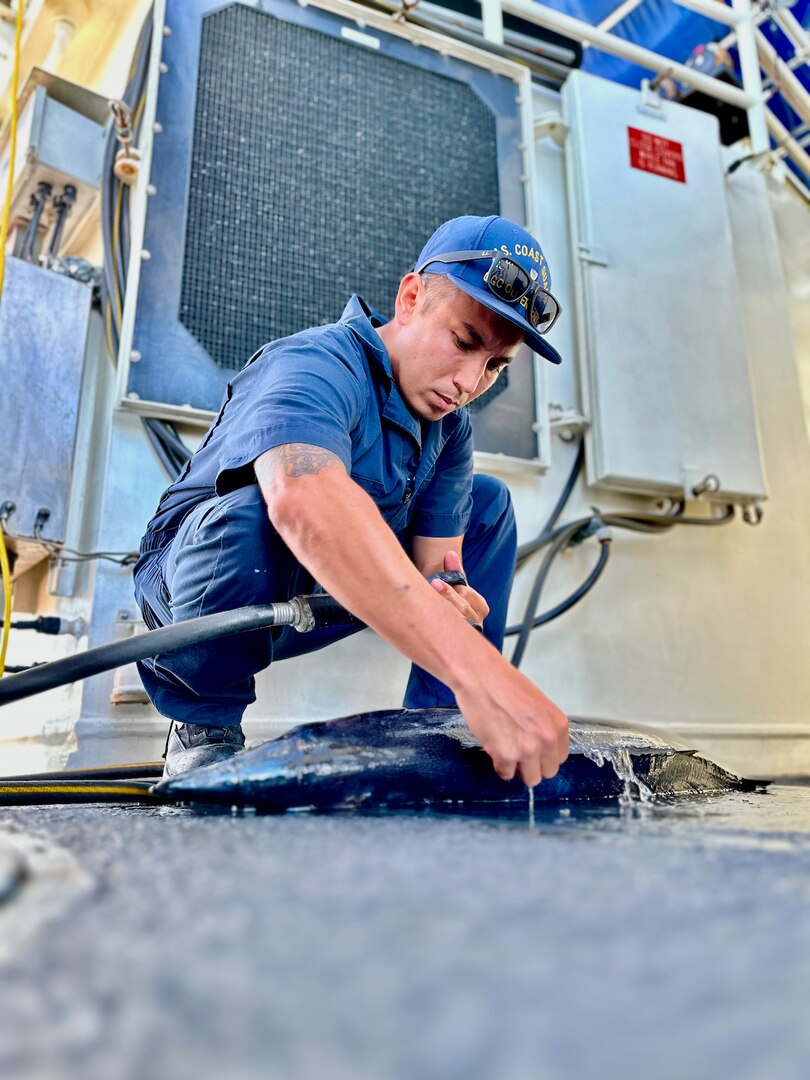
776,820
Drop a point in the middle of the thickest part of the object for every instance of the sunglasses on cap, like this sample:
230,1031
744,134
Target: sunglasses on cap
509,282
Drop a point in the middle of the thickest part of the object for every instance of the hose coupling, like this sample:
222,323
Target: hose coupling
301,617
752,513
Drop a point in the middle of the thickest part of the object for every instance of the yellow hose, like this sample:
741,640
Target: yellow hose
15,79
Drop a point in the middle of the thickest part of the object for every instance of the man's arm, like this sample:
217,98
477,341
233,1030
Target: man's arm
335,530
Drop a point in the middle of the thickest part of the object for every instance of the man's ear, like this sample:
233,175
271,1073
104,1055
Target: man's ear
410,297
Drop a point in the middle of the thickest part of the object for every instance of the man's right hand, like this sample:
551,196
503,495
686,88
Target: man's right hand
521,729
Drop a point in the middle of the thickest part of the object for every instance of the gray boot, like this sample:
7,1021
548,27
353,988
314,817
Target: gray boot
190,746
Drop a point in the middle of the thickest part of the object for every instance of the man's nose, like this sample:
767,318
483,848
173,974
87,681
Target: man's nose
468,374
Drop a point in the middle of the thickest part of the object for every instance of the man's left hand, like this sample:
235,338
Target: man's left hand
467,601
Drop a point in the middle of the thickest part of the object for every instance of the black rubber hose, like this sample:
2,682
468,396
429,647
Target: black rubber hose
562,541
644,523
145,770
43,624
106,657
574,598
560,537
524,550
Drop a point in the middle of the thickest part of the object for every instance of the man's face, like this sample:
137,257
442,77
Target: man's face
449,349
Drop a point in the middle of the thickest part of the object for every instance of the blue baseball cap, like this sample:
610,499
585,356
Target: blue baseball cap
490,237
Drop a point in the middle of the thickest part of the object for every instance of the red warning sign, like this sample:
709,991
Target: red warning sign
651,153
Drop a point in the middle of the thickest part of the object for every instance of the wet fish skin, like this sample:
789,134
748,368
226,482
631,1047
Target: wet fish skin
405,758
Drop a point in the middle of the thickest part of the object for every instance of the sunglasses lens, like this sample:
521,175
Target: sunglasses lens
543,311
508,280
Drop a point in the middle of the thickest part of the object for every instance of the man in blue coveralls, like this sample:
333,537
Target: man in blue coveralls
342,456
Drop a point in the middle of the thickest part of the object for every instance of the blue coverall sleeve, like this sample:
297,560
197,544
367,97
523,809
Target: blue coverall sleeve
444,505
296,393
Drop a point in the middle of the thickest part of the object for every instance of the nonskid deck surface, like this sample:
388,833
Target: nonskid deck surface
407,758
413,945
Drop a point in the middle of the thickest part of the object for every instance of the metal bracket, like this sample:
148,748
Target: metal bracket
567,423
551,125
650,99
587,253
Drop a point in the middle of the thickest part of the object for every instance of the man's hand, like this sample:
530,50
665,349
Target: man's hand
467,601
521,729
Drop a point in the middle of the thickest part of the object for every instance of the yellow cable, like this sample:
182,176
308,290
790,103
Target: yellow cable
136,119
6,568
119,197
108,327
15,78
116,226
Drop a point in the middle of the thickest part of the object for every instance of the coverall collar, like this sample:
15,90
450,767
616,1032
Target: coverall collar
363,320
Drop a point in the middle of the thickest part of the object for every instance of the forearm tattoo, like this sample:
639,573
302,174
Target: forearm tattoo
300,459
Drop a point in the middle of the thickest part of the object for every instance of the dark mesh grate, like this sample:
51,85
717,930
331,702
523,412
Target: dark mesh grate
494,391
319,168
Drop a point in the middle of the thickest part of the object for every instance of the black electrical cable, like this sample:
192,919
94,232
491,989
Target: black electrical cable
563,535
574,598
43,624
69,554
562,541
160,450
165,440
171,438
524,550
663,522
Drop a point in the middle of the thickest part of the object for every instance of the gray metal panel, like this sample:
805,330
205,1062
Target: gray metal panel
370,251
43,328
664,361
65,141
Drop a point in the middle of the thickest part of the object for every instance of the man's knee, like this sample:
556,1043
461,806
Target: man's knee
492,503
227,554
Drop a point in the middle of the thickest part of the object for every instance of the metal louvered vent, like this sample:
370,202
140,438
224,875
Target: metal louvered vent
319,168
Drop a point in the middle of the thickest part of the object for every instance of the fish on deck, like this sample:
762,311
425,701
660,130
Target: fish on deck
409,758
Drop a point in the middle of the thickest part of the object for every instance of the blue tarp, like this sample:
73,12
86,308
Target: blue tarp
672,31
